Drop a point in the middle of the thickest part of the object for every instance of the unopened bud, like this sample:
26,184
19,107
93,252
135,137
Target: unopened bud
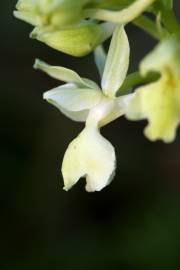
78,40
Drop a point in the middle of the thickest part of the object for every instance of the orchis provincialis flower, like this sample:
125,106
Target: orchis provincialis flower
159,102
90,154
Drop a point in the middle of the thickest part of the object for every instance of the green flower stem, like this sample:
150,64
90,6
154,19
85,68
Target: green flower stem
135,79
123,16
170,21
150,27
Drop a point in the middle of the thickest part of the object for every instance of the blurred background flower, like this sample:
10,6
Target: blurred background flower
132,224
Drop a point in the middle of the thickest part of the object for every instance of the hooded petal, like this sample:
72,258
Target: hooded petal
72,98
64,74
117,62
78,116
89,155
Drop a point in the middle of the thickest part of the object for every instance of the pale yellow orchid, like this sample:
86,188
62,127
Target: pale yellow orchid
90,155
159,102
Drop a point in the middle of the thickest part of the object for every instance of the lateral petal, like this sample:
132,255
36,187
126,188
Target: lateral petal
72,98
64,74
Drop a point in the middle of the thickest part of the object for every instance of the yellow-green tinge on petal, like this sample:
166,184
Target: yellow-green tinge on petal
78,40
89,155
159,102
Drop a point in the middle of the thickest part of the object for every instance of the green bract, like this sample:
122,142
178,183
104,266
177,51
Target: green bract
159,102
90,154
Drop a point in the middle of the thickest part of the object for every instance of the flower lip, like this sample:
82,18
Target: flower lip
89,155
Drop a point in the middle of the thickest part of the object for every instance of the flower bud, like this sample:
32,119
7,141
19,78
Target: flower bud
78,40
56,13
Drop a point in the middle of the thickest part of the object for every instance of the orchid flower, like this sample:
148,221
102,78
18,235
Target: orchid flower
90,155
159,102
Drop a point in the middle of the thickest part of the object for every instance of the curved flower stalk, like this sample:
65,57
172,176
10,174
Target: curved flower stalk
121,16
90,154
159,102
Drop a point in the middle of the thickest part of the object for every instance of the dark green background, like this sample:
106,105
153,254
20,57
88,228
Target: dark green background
132,224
